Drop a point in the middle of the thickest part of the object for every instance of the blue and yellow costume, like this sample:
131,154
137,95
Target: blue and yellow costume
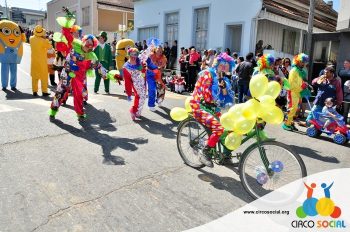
11,52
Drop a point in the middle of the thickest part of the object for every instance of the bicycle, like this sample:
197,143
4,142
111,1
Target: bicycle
263,167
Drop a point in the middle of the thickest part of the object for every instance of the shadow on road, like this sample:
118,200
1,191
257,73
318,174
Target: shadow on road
18,95
100,120
155,127
308,152
228,184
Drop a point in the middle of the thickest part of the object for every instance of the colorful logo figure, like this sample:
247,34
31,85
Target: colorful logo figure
323,206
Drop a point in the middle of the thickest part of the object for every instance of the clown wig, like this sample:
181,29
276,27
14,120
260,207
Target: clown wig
224,58
134,51
92,38
265,62
300,58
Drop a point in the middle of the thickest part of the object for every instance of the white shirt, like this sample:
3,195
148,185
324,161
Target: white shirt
102,45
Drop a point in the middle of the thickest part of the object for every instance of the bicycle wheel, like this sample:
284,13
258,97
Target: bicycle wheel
286,166
191,137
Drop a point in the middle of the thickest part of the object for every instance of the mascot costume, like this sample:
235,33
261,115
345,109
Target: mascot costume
204,103
11,52
122,48
39,46
297,84
80,59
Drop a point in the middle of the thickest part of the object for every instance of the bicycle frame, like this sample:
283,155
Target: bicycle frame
257,132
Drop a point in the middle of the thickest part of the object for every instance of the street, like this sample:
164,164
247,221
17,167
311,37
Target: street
113,174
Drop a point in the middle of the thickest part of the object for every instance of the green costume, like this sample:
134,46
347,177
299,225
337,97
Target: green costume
106,59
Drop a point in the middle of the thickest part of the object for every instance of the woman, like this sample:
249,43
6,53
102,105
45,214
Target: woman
344,74
284,70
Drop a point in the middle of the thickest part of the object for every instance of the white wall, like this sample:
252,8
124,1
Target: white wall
221,13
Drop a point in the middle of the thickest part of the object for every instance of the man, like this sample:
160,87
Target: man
173,55
104,54
297,84
39,69
244,72
328,86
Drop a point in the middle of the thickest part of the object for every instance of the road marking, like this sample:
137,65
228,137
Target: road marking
6,108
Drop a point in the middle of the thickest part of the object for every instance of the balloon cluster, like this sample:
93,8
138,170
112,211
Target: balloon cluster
241,118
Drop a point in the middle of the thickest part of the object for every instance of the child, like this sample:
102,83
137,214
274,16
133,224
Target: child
170,82
331,114
180,85
51,55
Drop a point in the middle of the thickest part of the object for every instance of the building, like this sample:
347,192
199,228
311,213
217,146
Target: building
233,24
27,18
95,16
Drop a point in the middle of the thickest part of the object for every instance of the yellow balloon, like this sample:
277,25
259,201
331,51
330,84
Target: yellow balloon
178,114
233,141
188,105
243,126
273,89
258,85
267,100
273,115
227,121
236,111
251,109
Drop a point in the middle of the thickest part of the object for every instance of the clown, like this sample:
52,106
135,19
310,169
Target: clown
204,103
79,62
11,52
156,86
134,77
122,52
297,84
39,46
226,95
265,66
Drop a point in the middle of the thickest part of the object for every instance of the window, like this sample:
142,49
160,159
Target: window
147,32
289,39
171,27
201,28
86,16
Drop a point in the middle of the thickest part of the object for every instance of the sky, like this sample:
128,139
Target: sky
41,4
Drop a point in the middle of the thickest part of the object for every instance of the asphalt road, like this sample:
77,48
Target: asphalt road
112,174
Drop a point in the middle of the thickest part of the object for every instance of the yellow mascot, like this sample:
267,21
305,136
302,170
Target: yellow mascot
122,52
11,52
39,70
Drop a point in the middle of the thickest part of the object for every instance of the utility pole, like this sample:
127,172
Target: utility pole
310,26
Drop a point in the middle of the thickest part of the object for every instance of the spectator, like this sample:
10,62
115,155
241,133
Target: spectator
139,46
284,70
192,68
346,103
278,65
328,86
166,52
259,47
235,57
184,59
344,73
244,72
211,57
228,51
144,45
173,55
204,60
